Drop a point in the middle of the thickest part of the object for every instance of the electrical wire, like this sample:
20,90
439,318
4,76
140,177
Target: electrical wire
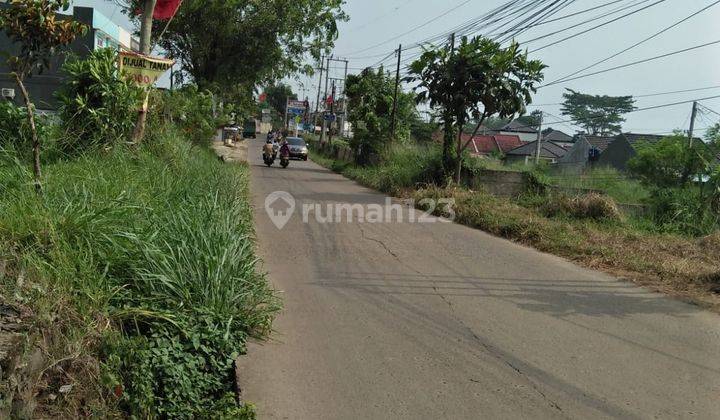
655,35
657,57
596,26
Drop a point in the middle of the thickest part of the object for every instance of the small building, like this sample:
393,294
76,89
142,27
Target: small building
487,145
558,137
526,153
101,33
517,128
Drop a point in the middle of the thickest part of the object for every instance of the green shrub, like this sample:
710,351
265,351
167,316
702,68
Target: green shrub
190,109
98,105
687,210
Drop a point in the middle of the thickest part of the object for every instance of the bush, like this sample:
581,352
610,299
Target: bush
98,105
191,110
684,210
15,131
589,206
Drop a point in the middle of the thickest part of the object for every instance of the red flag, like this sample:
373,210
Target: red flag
263,97
166,9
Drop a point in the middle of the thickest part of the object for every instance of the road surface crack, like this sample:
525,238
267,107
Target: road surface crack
493,352
362,231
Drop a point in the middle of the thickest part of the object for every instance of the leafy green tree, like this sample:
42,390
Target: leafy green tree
597,114
370,103
33,25
477,80
277,95
225,42
670,162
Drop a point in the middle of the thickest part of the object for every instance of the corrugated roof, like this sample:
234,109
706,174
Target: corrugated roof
547,149
557,135
488,144
518,126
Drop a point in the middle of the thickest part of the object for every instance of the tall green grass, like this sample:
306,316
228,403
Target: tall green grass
157,242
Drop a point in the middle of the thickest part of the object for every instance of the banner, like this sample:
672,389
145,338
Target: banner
166,9
143,69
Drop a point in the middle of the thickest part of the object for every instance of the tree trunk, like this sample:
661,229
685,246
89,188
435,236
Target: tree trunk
448,140
145,38
35,139
458,157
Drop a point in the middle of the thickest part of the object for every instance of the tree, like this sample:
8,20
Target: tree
224,42
33,25
670,162
477,80
146,25
712,136
370,101
277,96
598,115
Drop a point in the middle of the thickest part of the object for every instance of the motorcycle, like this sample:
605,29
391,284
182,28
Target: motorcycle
284,161
269,160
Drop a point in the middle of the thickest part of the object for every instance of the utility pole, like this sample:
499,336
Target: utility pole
539,140
332,113
285,121
692,123
327,76
397,86
145,38
344,110
322,67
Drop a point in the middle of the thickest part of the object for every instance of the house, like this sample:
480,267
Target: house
517,128
615,151
558,137
488,144
526,153
102,32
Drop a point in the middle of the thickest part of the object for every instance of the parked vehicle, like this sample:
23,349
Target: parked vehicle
298,148
250,129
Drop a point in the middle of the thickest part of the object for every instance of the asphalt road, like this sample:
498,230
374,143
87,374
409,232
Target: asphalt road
436,320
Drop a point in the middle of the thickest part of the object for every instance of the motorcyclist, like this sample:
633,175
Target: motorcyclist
285,149
268,150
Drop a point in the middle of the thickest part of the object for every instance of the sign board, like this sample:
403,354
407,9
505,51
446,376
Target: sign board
143,69
329,117
295,107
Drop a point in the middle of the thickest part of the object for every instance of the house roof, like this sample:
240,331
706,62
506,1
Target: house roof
484,145
557,136
599,142
517,126
547,149
633,138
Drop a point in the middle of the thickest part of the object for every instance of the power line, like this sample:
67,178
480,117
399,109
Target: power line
377,18
656,34
597,26
657,57
648,95
447,12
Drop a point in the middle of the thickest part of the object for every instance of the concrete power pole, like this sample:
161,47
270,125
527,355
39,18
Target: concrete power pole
332,112
327,76
539,140
397,87
317,103
145,38
692,123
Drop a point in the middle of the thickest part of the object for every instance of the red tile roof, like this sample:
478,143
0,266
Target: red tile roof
485,145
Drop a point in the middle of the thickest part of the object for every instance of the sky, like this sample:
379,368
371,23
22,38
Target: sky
390,22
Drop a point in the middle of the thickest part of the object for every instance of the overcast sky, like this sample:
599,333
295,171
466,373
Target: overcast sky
377,21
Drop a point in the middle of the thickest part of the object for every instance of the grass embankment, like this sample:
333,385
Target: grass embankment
589,229
134,281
